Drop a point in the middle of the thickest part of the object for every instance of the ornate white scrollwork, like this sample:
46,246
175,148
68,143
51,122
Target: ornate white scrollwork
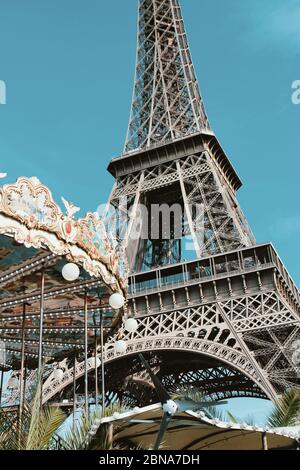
29,214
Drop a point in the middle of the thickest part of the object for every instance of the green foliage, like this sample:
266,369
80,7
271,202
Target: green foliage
80,437
35,429
286,411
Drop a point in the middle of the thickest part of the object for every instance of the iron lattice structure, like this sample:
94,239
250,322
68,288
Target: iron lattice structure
166,103
228,320
202,178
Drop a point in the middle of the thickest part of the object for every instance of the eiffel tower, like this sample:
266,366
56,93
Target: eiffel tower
215,310
224,314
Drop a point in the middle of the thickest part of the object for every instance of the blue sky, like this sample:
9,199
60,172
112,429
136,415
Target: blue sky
68,67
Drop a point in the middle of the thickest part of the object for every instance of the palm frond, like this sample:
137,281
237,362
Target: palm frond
80,436
213,412
33,429
8,431
286,411
50,420
232,418
187,394
249,420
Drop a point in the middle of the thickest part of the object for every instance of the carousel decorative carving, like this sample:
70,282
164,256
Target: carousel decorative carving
31,203
69,226
92,237
29,214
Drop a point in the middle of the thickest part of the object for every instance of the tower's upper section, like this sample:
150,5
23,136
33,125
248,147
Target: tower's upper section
166,101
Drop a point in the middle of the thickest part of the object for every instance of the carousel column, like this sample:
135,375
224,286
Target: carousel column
96,371
40,351
102,363
74,391
22,388
86,384
1,386
25,374
265,441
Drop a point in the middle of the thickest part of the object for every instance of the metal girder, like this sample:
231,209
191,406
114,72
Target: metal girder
166,100
237,309
209,214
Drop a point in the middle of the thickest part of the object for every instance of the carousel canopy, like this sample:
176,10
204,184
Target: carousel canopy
194,431
38,239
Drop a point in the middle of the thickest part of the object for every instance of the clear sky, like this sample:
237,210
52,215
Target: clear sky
68,67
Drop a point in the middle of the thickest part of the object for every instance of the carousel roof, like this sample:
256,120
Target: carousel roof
191,431
35,236
29,214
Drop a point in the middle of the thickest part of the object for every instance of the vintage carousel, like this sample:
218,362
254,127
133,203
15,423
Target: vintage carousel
62,292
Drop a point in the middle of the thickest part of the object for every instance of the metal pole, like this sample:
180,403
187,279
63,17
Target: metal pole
86,385
21,404
74,391
96,372
40,352
1,386
25,374
188,212
102,363
265,441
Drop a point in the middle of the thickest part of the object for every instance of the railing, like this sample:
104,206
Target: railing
50,389
161,143
197,280
246,260
286,277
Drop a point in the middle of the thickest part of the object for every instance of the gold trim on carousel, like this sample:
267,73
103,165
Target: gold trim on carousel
30,215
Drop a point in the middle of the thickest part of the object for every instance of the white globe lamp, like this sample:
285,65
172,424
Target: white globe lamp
120,346
170,407
95,362
70,272
58,374
131,325
13,383
116,301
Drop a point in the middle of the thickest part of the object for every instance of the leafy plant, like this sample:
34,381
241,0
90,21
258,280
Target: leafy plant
89,434
34,429
286,411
